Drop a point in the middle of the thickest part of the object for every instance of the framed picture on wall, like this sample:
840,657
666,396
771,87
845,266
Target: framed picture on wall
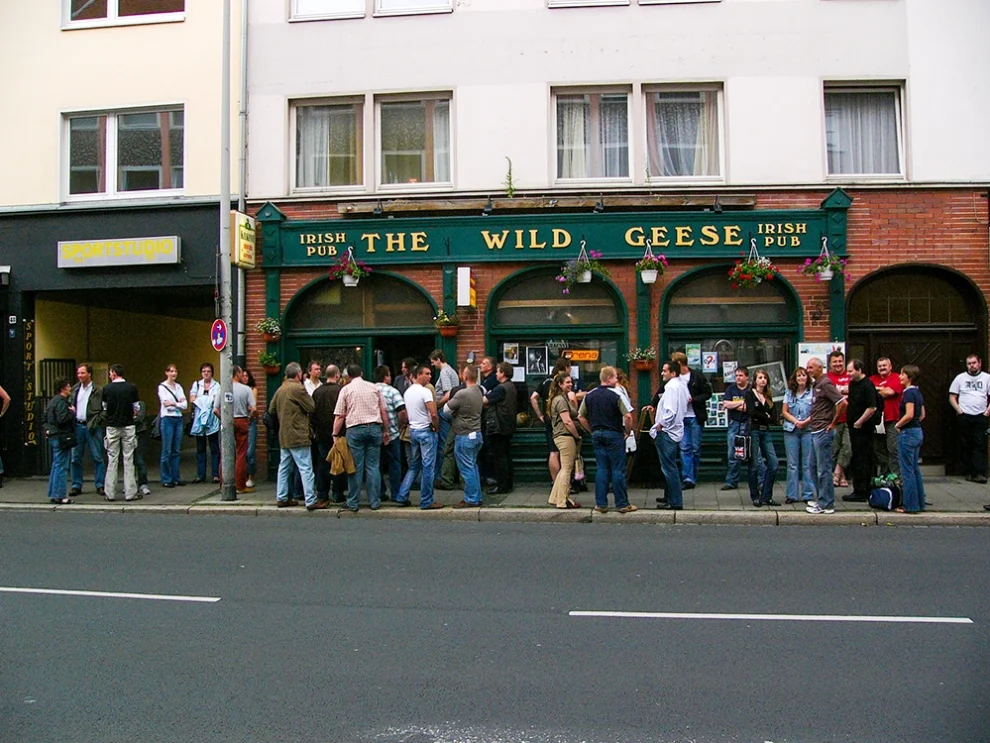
536,361
510,353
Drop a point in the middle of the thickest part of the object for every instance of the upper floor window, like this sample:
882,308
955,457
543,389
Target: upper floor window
862,131
312,9
398,7
583,3
104,12
415,140
125,152
682,133
592,135
329,139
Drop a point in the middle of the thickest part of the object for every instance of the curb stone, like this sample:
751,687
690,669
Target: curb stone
841,518
739,518
542,515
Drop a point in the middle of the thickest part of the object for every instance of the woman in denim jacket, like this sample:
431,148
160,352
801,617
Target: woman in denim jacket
797,441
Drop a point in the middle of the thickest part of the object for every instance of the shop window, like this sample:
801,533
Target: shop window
901,299
398,7
682,133
592,135
126,152
377,302
538,302
710,300
315,9
862,131
415,141
329,144
104,12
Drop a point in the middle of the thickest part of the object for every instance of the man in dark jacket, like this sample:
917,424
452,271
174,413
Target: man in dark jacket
291,405
501,403
862,401
325,400
59,419
86,399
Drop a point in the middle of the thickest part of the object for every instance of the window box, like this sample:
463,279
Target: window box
128,153
412,7
97,13
863,131
592,135
311,10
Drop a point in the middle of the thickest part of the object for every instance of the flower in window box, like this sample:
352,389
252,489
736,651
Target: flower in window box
642,359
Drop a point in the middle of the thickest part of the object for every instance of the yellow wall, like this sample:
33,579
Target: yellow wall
144,344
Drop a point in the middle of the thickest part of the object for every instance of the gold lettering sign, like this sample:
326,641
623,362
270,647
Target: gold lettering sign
30,422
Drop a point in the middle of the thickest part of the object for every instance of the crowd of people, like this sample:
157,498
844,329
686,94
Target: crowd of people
434,427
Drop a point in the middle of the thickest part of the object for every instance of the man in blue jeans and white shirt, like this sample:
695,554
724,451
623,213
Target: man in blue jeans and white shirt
669,432
423,423
609,419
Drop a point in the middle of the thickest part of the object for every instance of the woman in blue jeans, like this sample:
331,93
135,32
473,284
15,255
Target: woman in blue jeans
909,441
797,439
763,458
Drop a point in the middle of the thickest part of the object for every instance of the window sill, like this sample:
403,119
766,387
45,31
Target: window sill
311,18
411,11
592,182
866,178
676,2
138,20
128,196
414,187
685,180
584,3
359,188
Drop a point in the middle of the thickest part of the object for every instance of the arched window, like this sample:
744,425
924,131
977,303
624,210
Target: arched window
911,298
378,302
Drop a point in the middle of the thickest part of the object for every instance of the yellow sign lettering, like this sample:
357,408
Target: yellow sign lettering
684,238
732,235
419,243
371,238
635,237
495,242
561,238
398,240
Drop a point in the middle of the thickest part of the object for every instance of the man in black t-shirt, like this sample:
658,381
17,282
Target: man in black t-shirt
862,403
120,400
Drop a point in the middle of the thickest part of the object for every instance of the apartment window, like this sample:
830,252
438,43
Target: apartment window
583,3
862,131
95,11
329,145
682,133
125,152
592,135
398,7
307,9
415,141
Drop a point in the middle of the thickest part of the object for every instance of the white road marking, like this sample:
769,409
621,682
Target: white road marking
773,617
112,595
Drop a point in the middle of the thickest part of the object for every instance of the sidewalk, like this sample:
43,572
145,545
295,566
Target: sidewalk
953,501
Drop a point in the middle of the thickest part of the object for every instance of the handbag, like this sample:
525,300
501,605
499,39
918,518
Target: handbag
156,427
66,440
742,447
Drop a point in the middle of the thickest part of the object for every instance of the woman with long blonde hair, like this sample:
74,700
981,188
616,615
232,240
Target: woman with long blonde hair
566,436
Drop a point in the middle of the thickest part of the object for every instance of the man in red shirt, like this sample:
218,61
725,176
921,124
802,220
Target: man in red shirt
841,445
885,444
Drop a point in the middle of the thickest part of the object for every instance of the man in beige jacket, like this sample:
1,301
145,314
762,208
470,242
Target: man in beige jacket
291,407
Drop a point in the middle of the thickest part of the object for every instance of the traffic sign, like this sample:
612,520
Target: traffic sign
218,335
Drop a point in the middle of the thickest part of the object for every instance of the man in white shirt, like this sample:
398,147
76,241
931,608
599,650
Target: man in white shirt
423,423
244,407
312,380
968,396
669,431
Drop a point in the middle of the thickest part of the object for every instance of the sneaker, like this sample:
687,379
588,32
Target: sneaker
144,490
815,509
250,483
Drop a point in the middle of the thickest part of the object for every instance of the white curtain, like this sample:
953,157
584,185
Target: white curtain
683,134
572,137
441,142
861,133
312,146
614,136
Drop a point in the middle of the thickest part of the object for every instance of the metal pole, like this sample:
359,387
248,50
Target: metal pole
242,183
228,490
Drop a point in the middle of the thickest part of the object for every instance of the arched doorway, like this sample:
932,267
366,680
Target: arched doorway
720,328
381,321
531,324
924,315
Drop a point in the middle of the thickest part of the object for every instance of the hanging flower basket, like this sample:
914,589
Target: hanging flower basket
348,268
750,273
581,269
643,365
650,266
825,266
269,362
446,324
448,331
270,329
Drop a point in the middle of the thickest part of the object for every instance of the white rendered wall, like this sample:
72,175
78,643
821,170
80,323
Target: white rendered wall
49,71
501,58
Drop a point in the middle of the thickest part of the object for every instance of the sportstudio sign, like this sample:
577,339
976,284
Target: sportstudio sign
128,251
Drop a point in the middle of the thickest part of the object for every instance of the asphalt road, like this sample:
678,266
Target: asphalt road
353,631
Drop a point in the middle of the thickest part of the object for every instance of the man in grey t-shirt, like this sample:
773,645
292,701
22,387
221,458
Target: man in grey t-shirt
244,407
827,406
465,409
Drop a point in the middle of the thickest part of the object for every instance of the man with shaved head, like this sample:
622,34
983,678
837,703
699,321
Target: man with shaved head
827,406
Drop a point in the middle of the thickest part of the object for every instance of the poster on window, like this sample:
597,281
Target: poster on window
709,362
510,353
775,372
818,350
729,371
693,353
536,361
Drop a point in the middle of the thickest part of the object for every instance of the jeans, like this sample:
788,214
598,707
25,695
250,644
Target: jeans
302,458
610,455
56,480
121,443
93,441
422,459
365,443
252,447
466,449
214,441
821,467
690,447
501,449
442,434
392,452
171,443
763,465
667,448
732,476
797,446
972,444
908,450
